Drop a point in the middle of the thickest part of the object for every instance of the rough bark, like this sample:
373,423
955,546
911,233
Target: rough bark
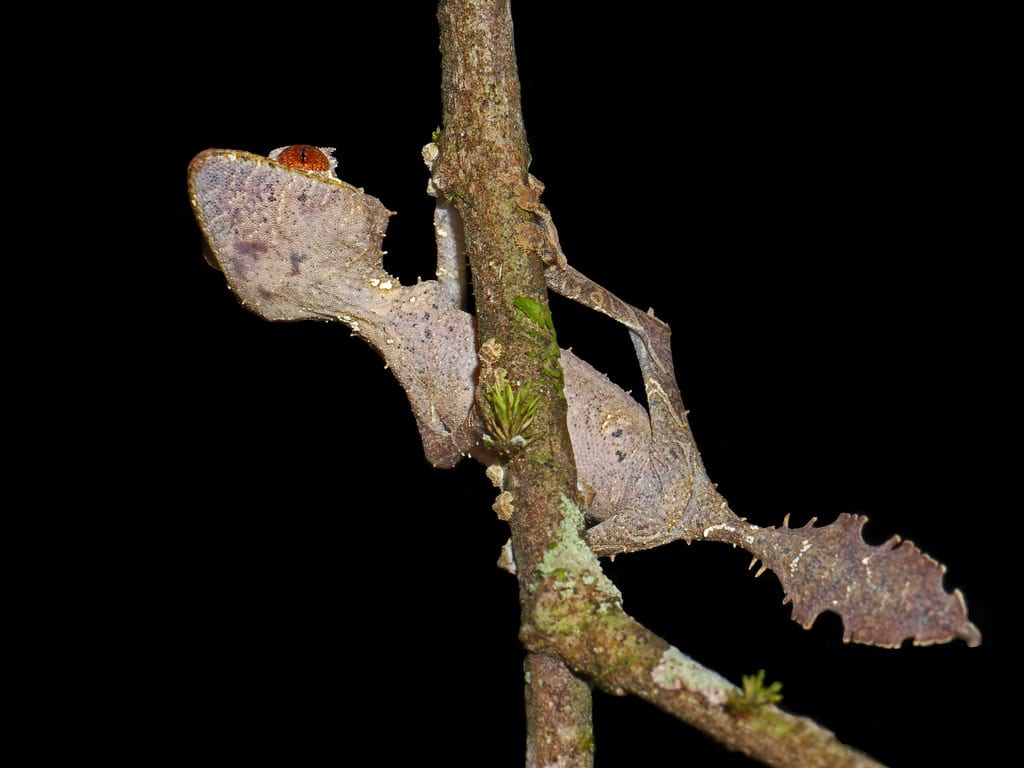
482,167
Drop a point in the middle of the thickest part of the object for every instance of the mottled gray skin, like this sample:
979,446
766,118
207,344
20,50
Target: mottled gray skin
295,245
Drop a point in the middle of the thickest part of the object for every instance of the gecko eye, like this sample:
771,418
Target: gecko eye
305,157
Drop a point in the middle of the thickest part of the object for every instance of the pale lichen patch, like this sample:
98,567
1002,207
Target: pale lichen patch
430,152
676,671
490,351
496,474
506,560
503,507
571,558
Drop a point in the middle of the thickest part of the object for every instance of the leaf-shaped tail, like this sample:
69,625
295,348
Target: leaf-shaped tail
885,594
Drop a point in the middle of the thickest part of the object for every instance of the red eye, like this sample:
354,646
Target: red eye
305,157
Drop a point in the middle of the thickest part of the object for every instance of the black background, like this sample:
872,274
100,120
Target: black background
807,201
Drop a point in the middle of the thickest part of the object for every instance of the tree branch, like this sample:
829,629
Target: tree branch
482,168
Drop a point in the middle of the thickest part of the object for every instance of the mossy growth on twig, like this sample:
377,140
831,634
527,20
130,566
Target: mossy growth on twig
508,416
755,694
540,318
